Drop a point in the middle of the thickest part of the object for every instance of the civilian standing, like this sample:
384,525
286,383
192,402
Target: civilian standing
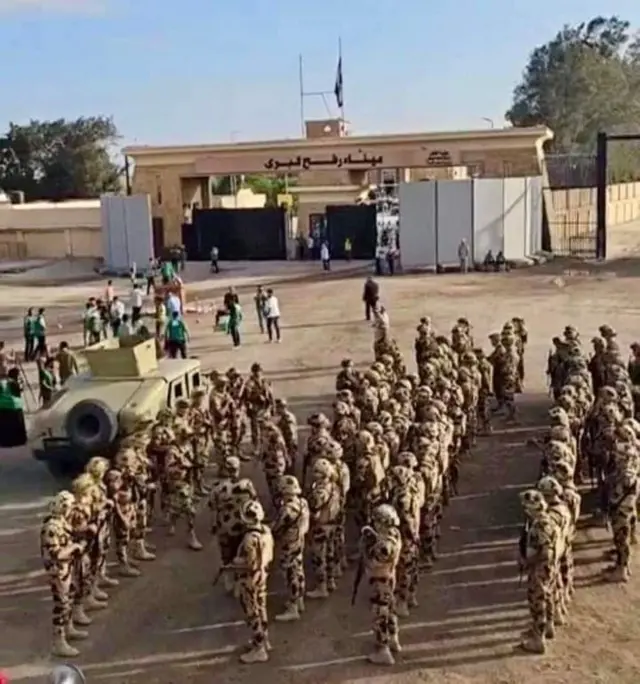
272,312
152,273
347,249
41,333
260,299
325,256
370,296
233,324
117,313
214,260
29,335
136,304
177,337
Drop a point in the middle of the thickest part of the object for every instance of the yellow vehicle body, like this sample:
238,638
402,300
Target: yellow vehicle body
124,386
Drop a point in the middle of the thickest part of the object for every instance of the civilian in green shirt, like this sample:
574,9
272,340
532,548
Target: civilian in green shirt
47,381
176,335
13,431
29,335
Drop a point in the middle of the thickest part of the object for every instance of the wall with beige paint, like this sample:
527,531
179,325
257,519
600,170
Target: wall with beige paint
45,230
574,210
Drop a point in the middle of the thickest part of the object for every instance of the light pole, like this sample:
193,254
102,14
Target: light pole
489,121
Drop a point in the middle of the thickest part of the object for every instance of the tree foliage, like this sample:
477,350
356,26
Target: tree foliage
585,80
58,160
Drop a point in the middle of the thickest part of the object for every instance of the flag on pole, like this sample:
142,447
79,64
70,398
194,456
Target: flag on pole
337,89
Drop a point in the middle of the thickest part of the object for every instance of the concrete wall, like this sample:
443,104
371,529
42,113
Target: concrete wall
45,230
574,210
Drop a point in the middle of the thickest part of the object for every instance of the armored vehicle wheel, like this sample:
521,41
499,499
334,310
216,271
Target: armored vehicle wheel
91,426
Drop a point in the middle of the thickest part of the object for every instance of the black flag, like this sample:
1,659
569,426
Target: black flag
337,89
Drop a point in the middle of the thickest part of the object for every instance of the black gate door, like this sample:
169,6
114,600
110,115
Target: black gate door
357,222
157,226
240,234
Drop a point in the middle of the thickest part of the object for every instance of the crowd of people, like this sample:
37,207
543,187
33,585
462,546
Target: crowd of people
388,459
593,437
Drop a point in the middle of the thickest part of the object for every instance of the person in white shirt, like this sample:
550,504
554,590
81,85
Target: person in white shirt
136,304
310,246
272,314
174,305
117,313
325,256
125,329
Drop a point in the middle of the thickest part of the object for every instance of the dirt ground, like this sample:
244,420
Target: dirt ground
173,626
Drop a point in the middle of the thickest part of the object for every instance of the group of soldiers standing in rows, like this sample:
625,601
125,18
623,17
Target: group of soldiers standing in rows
592,438
388,460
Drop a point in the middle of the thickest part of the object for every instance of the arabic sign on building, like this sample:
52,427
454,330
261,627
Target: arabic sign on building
439,158
299,163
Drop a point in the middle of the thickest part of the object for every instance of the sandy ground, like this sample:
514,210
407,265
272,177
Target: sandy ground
172,626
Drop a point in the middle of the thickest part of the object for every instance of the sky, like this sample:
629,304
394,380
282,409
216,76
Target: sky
205,71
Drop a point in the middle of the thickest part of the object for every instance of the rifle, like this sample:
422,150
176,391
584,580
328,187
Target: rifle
361,567
522,548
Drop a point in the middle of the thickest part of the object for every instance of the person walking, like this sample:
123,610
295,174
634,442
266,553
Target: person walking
40,330
177,336
325,256
29,328
152,273
272,313
370,297
215,252
136,304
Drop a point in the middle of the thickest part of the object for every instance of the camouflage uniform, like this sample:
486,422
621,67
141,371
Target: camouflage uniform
381,546
259,401
290,530
59,551
251,567
326,507
347,378
286,421
274,456
123,520
539,549
368,475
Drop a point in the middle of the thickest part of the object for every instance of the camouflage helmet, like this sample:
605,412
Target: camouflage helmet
62,503
385,419
626,433
164,415
318,420
97,467
607,394
366,439
288,485
252,513
245,487
182,405
550,487
334,451
323,469
561,471
230,467
385,516
82,484
345,395
341,409
407,459
374,428
533,502
113,478
281,402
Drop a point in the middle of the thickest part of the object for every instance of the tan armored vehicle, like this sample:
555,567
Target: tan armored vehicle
125,383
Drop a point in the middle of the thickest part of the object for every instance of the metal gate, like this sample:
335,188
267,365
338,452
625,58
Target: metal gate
239,234
356,222
570,225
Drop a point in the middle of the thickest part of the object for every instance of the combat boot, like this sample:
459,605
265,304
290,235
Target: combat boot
331,585
402,609
98,594
381,656
75,634
320,592
257,654
290,614
140,552
534,643
618,574
301,606
80,617
60,647
92,603
394,644
105,580
413,601
194,543
125,569
550,631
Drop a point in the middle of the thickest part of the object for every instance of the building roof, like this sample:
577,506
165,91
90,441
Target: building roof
533,134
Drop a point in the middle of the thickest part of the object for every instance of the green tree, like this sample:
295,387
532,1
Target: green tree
58,160
583,81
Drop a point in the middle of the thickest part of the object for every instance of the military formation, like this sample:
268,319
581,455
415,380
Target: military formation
592,440
387,460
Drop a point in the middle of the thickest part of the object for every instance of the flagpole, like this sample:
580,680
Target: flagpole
340,63
301,82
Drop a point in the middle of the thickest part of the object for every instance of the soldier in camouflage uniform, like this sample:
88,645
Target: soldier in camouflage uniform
326,509
258,400
251,568
59,551
290,531
347,378
286,421
381,546
274,456
539,549
123,520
